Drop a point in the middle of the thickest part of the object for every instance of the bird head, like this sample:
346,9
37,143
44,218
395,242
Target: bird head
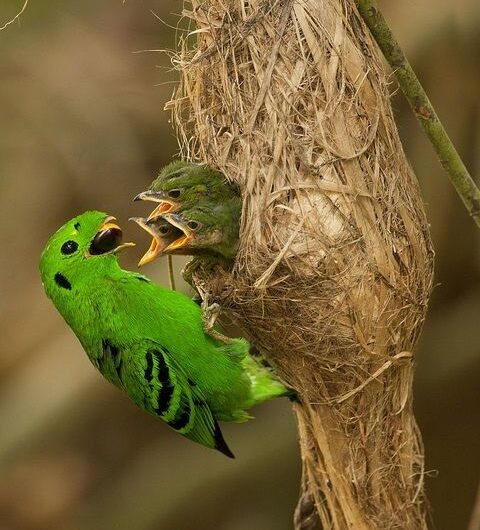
173,196
84,244
163,234
181,185
201,233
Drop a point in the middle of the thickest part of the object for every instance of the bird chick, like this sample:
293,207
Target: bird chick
198,201
181,185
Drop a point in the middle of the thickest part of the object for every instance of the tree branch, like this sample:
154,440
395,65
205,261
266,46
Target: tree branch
422,107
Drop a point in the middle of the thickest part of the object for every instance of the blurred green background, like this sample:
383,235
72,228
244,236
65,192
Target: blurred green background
83,126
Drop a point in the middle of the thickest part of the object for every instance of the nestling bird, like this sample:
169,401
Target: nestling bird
147,340
181,185
212,228
163,235
209,229
200,202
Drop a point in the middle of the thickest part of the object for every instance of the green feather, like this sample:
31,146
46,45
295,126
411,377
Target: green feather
203,205
147,340
192,183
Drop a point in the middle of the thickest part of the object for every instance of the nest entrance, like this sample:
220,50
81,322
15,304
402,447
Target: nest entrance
290,100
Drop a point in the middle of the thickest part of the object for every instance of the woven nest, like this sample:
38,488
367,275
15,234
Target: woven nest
290,100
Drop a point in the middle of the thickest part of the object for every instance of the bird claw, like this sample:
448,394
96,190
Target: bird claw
210,313
189,270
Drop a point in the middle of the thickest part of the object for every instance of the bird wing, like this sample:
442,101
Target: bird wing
151,375
175,398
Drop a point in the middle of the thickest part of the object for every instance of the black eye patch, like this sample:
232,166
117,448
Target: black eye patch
61,281
69,247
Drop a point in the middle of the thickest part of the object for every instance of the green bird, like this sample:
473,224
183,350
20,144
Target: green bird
163,235
209,229
147,340
212,228
200,202
181,185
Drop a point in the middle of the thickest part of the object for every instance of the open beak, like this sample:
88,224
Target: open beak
177,244
165,205
163,208
108,238
158,244
148,195
183,240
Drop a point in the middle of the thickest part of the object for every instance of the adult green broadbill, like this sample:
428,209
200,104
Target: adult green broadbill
147,340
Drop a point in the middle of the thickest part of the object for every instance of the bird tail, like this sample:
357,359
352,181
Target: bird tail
264,385
236,348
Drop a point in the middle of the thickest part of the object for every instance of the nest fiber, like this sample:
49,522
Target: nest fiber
290,100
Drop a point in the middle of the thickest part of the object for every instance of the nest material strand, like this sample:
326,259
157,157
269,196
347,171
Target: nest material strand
290,100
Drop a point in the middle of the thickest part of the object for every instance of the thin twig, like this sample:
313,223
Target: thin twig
16,17
422,107
171,277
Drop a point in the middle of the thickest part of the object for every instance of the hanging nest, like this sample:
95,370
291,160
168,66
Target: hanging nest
289,98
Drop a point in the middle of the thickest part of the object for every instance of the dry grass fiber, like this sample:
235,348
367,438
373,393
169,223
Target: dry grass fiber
289,98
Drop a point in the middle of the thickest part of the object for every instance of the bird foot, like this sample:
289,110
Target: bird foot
189,270
210,313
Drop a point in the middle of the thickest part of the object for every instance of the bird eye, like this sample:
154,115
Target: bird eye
69,247
105,241
174,194
193,225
